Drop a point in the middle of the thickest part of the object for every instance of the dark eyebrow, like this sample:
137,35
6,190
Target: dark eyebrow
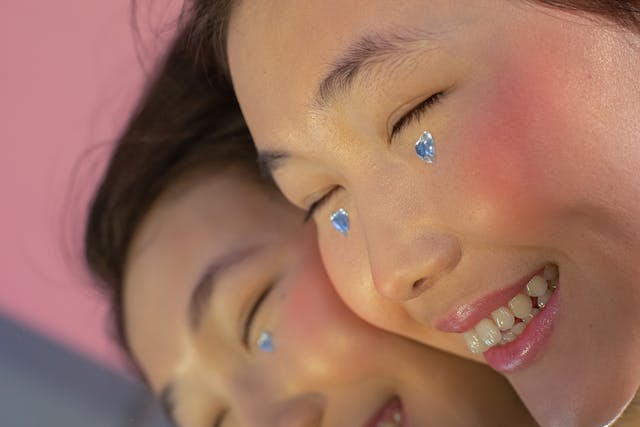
361,56
201,294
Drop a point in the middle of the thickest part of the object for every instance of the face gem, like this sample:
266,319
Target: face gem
340,221
425,148
265,342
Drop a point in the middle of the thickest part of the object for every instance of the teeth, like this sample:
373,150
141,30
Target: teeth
520,305
518,328
542,300
508,336
536,286
488,332
502,328
533,314
397,417
503,318
475,344
551,273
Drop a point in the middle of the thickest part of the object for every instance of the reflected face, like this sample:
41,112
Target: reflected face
217,263
534,115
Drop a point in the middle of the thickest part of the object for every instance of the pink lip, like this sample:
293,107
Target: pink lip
466,316
524,350
386,412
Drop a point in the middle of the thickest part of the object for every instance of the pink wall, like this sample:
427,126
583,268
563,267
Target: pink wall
68,78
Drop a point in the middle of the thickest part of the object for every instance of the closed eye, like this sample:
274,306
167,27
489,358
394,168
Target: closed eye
319,203
415,113
248,324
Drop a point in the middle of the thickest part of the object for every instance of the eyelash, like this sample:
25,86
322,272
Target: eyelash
415,113
319,203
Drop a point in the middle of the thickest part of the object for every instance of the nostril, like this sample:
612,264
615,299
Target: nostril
419,286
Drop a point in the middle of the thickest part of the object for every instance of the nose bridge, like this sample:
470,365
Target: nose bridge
408,247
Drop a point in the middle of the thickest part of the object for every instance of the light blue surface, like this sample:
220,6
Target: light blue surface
45,384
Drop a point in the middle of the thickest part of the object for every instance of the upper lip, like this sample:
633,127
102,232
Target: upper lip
393,404
467,315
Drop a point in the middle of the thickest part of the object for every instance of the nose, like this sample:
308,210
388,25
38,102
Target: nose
406,261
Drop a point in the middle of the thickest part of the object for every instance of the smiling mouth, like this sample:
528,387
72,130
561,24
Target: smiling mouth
390,415
506,323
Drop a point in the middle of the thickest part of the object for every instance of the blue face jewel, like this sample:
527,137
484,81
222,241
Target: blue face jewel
425,148
265,342
340,221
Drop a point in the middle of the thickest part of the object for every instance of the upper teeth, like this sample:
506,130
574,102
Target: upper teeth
503,326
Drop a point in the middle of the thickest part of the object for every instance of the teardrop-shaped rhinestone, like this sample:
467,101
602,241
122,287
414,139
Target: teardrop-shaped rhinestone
265,342
425,148
340,221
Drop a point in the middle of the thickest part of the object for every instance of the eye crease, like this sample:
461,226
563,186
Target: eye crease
248,324
415,113
319,203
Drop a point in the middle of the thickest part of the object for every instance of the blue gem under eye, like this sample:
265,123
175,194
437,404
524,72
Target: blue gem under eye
265,342
425,148
340,221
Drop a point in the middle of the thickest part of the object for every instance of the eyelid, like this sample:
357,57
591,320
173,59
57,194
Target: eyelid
248,324
319,203
415,113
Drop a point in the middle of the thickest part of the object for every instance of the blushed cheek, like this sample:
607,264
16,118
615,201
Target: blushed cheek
510,144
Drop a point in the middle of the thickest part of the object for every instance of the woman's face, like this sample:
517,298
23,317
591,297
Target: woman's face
217,263
535,118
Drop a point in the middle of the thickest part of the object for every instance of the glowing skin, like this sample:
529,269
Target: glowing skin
537,138
330,368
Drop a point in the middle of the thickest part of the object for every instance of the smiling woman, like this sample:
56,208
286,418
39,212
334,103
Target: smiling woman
485,155
222,300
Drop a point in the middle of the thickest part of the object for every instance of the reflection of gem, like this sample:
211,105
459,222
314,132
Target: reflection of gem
425,148
265,342
340,221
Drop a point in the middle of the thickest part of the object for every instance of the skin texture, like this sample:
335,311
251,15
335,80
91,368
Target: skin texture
537,156
330,368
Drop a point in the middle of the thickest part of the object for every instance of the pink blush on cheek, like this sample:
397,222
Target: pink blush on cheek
510,145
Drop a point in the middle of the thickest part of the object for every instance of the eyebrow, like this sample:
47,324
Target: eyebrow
360,57
270,161
363,56
206,284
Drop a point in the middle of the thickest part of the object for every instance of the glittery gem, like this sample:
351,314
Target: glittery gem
340,221
265,342
425,148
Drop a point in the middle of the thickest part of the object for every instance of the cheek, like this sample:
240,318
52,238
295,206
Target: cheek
312,312
347,263
512,148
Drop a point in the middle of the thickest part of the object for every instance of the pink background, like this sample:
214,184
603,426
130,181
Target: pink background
69,76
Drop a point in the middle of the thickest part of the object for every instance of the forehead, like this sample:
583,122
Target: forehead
279,51
183,232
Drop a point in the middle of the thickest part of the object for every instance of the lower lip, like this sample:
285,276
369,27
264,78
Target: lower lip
527,347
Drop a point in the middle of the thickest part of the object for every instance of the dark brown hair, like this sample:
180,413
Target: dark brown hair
187,122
